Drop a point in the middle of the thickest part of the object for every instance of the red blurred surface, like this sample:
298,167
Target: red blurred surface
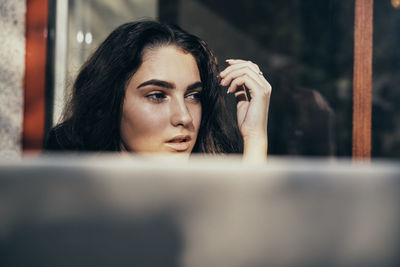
35,75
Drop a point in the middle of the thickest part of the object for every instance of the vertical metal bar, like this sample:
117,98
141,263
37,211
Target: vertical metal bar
362,94
60,63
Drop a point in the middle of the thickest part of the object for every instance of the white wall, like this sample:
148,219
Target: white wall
12,67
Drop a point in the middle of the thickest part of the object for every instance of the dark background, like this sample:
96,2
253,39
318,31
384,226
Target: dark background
305,49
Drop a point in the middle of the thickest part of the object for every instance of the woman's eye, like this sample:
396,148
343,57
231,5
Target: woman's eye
157,97
196,96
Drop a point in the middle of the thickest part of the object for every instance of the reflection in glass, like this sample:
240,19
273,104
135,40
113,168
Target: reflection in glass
304,48
386,93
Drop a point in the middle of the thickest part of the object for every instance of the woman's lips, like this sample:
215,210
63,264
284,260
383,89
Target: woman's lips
179,143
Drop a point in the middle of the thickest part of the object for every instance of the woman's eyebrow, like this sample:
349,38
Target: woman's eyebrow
195,86
168,85
159,83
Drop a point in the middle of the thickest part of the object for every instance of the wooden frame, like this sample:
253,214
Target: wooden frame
362,100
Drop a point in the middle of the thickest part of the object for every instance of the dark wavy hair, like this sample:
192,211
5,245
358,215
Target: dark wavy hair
93,115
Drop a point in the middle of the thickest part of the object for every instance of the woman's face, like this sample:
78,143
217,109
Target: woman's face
162,109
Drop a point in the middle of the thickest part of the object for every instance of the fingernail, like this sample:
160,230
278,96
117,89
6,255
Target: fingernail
229,60
222,81
227,92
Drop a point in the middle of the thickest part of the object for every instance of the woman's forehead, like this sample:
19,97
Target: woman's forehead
169,61
168,64
164,51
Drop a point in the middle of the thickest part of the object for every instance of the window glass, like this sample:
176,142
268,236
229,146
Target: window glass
304,48
90,21
386,89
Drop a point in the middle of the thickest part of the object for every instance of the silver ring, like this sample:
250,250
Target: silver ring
260,73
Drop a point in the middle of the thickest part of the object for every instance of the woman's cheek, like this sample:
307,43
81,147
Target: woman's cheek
148,119
140,122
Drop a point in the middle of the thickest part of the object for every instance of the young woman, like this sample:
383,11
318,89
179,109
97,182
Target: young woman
154,88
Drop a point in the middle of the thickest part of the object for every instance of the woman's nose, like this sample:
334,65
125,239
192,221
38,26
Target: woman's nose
180,115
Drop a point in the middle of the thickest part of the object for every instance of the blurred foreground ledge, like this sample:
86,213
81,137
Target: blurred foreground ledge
120,210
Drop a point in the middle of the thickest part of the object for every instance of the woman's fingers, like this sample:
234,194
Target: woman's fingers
239,64
241,72
239,61
240,67
236,85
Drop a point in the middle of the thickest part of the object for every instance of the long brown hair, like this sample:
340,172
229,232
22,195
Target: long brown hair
92,117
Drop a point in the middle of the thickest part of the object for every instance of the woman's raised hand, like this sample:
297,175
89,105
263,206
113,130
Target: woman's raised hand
252,114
